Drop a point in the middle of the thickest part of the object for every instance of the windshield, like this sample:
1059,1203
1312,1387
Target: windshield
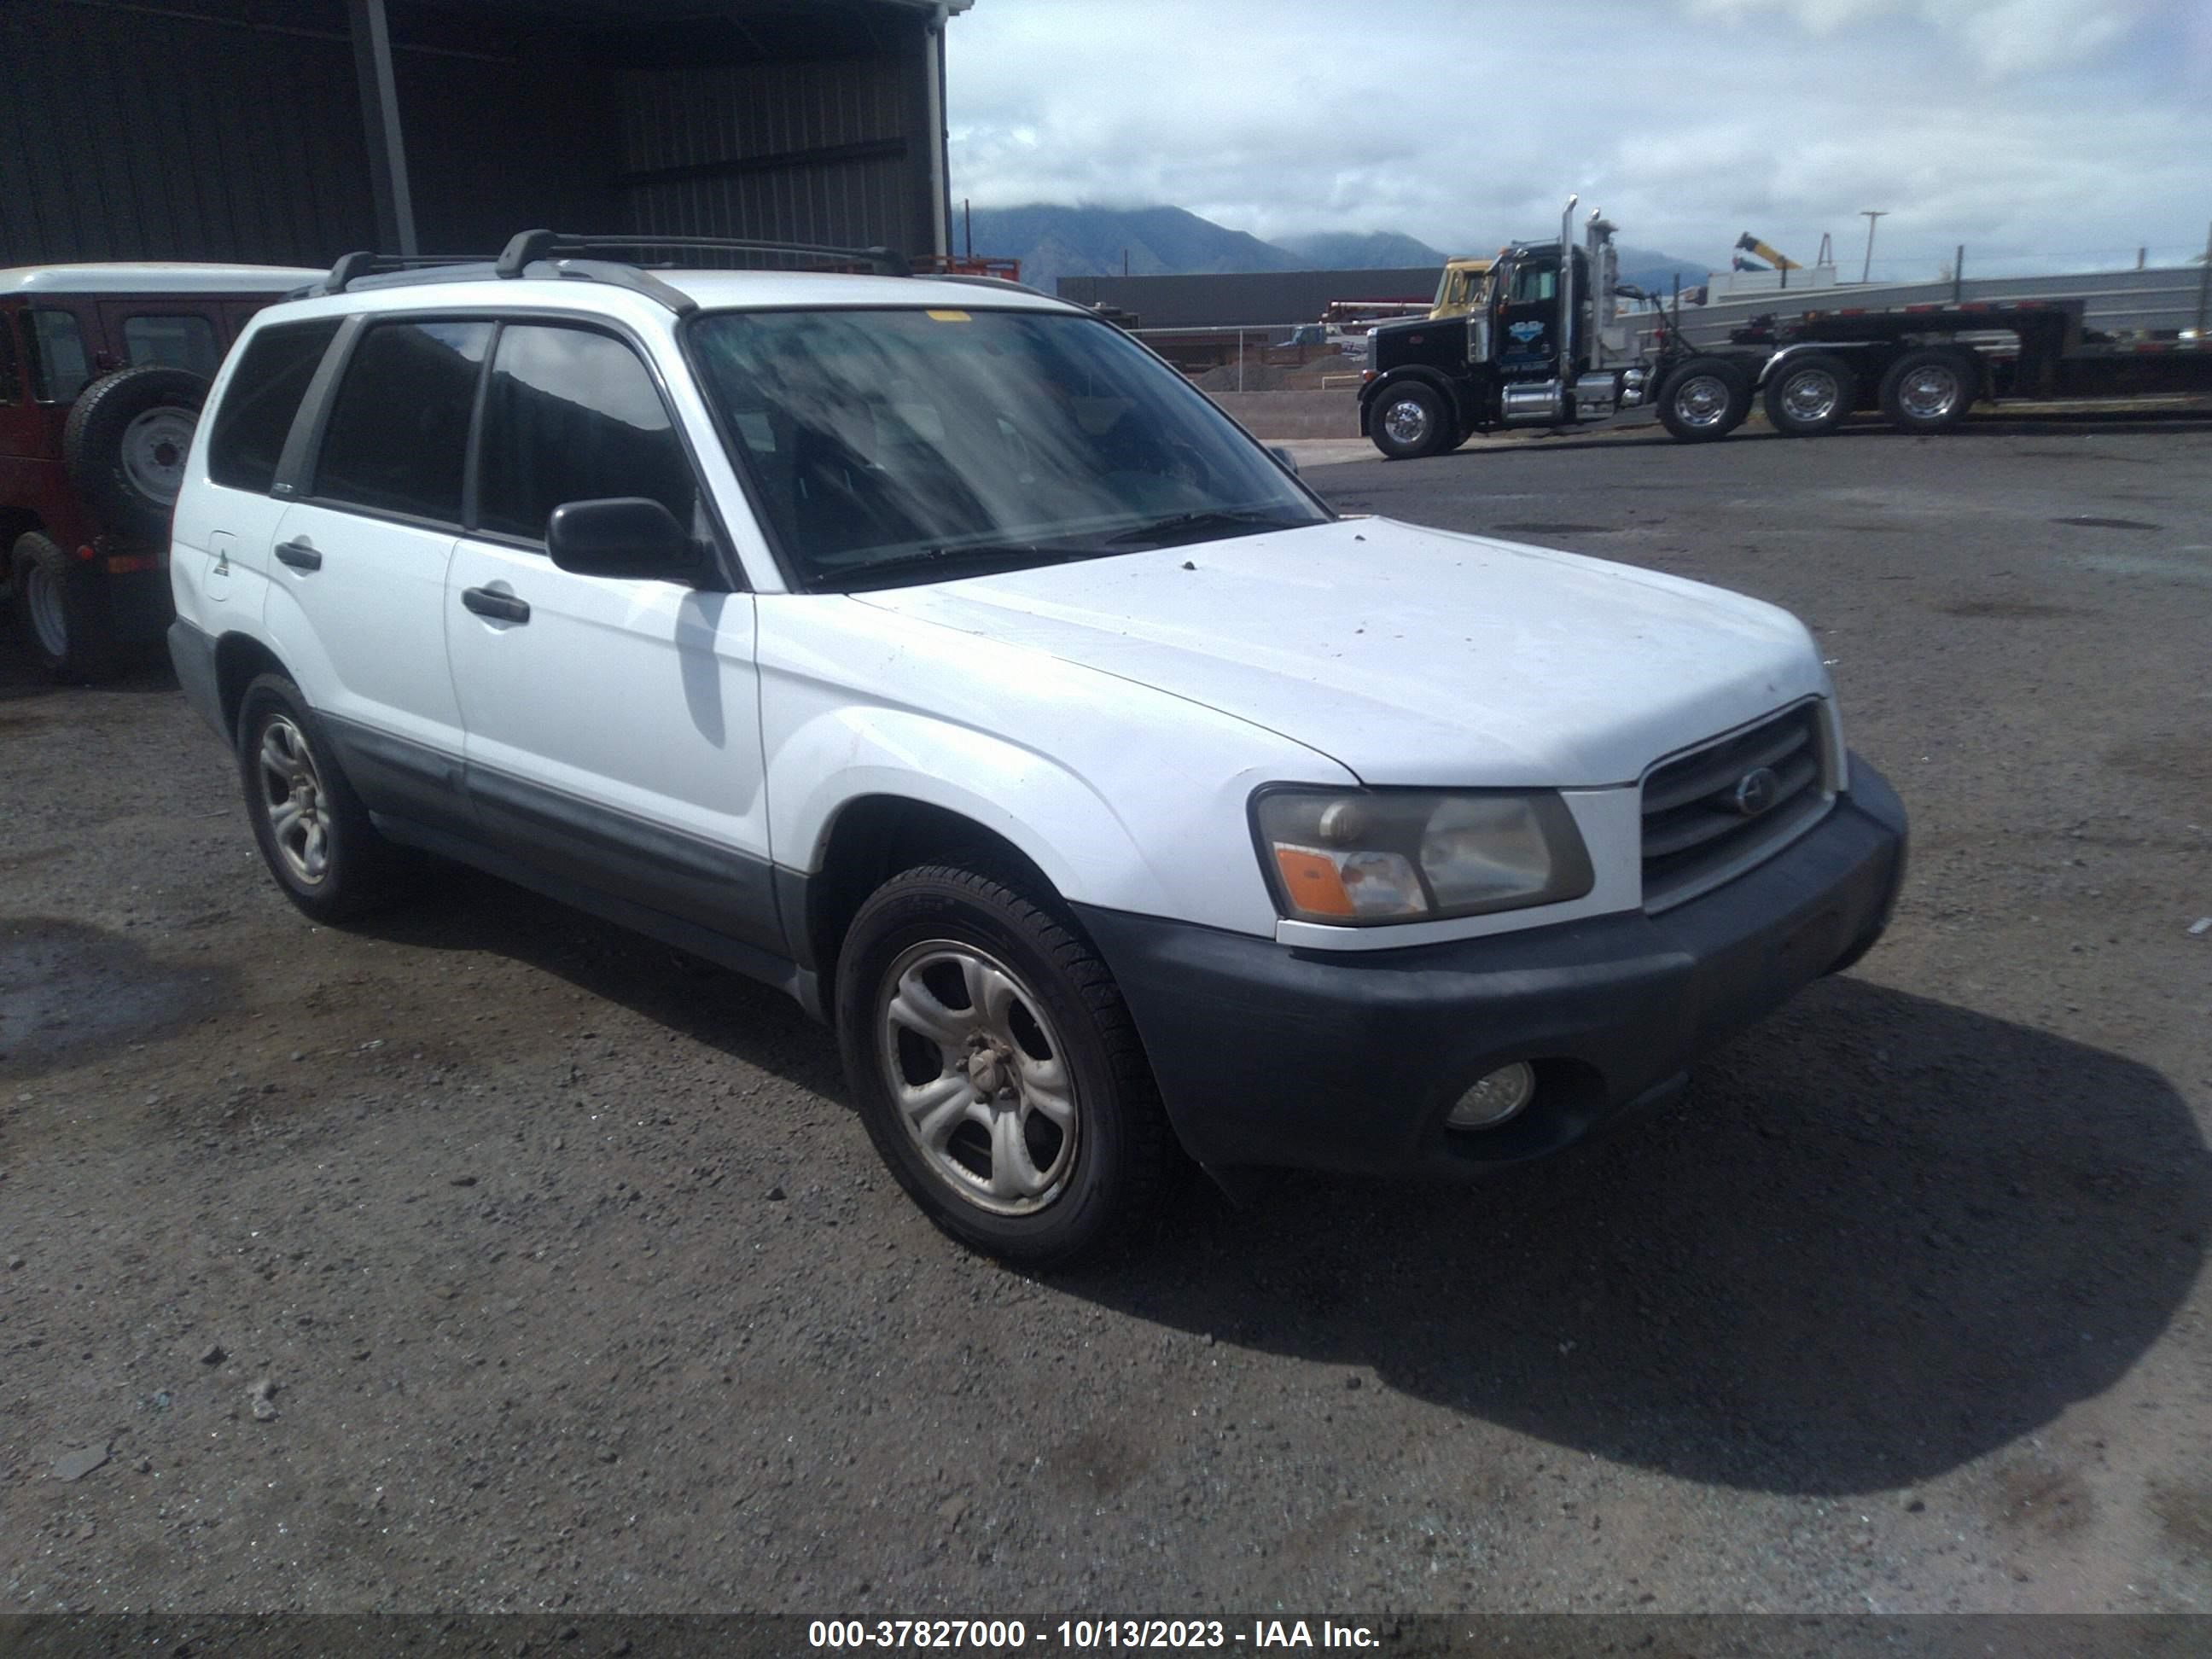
904,445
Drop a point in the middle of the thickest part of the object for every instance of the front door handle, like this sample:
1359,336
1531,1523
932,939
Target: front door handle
500,607
300,554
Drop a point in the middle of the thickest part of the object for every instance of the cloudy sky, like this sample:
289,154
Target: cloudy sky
2043,134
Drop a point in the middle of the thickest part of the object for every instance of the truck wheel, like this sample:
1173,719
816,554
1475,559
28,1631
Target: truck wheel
1929,390
61,612
1810,395
314,832
997,1069
1706,399
1408,420
125,444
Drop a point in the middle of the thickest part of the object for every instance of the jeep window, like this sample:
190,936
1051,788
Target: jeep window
60,363
399,433
11,378
900,446
262,400
573,415
179,342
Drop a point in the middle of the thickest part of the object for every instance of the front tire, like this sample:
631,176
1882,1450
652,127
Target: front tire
1811,395
1930,390
1408,420
61,612
997,1069
314,832
1705,400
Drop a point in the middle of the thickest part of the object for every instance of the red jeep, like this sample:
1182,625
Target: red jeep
102,372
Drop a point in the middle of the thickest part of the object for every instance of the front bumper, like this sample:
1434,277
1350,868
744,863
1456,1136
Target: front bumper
1267,1054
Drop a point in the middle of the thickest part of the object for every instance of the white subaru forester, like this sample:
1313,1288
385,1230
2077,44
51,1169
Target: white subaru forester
931,650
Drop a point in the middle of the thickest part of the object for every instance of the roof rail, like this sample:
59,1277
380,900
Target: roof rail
529,246
994,282
557,249
352,267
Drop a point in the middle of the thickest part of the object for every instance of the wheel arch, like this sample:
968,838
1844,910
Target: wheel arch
16,522
872,837
240,660
1435,379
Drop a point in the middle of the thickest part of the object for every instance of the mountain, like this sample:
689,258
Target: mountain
1053,240
1655,273
1372,250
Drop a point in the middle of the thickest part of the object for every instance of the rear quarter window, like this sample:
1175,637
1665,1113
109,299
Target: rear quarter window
262,402
181,340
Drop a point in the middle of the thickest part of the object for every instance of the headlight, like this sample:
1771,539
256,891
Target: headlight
1357,857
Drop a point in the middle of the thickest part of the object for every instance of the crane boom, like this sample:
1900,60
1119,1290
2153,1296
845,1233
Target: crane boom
1751,244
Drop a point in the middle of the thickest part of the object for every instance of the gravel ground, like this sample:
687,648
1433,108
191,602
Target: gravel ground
487,1258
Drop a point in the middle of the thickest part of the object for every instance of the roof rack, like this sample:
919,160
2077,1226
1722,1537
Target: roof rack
552,252
530,245
352,268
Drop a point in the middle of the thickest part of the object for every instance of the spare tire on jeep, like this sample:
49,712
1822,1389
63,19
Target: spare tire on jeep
125,444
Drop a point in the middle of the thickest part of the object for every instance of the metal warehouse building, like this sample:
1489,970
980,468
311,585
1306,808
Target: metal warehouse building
289,131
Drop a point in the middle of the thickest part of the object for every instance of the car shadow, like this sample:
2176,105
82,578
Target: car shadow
740,1017
1882,1236
21,679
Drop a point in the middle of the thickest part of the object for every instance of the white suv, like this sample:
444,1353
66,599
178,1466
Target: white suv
934,652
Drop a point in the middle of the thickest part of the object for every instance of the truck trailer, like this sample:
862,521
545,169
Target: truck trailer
1546,344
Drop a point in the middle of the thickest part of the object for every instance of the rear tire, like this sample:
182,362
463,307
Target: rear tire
126,443
314,832
997,1069
1705,400
1408,420
61,612
1930,390
1810,395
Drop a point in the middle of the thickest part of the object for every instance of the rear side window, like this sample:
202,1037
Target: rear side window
11,378
263,398
179,342
399,434
60,363
573,415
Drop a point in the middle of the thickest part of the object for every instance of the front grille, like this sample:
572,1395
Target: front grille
1696,834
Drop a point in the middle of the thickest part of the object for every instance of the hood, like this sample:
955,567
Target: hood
1409,655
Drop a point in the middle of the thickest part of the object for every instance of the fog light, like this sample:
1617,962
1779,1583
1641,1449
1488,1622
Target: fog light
1495,1098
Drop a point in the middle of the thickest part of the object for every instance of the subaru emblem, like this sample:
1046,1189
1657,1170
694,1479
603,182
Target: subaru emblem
1755,790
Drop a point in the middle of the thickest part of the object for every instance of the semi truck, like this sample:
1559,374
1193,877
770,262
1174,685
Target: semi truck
1546,343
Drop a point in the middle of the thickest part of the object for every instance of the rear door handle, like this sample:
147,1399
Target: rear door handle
500,607
300,554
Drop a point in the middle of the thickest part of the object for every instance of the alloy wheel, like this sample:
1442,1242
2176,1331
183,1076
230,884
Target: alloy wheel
978,1076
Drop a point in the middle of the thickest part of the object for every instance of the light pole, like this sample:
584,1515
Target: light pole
1870,215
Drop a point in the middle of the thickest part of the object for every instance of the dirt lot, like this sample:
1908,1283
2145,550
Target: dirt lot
575,1285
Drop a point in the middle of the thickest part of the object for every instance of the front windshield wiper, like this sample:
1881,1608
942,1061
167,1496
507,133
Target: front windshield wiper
1162,532
944,560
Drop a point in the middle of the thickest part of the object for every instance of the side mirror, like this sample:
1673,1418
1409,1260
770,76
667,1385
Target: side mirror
622,536
1290,462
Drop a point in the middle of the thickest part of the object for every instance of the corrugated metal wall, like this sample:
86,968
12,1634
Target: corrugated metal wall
231,129
126,133
815,152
